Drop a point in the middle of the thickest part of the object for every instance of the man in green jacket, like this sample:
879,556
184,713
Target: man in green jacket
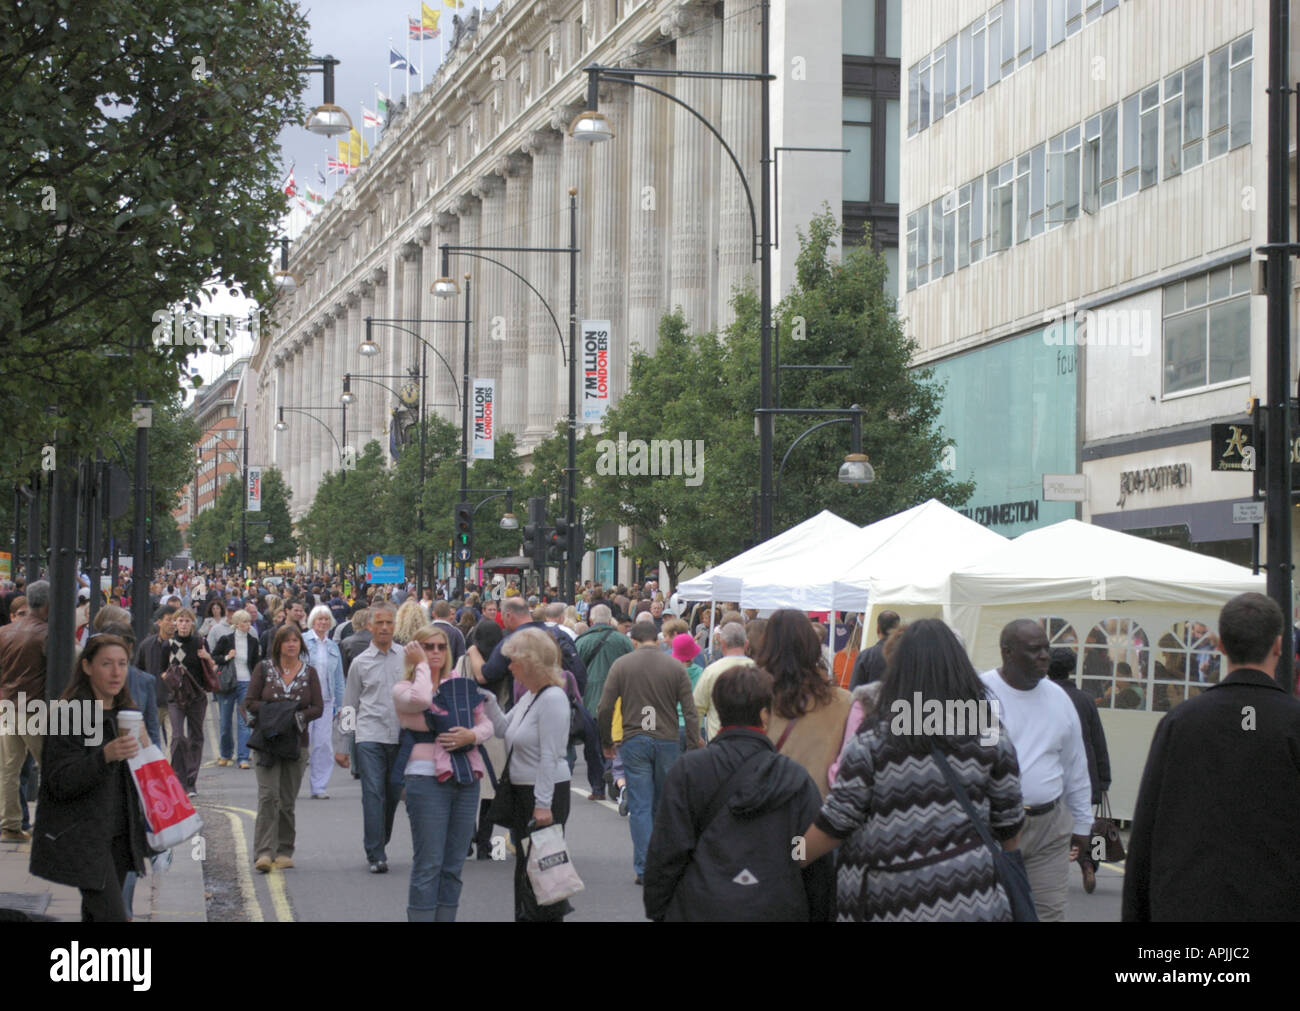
599,648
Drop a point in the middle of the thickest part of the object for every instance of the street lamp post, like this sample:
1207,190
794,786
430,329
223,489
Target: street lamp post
369,348
445,287
593,127
856,468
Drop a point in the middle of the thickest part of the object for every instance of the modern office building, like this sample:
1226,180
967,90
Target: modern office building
1083,185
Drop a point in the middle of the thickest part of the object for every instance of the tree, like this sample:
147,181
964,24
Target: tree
216,528
697,395
346,516
138,161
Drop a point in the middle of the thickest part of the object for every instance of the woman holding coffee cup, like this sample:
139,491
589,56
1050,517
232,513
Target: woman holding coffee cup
90,829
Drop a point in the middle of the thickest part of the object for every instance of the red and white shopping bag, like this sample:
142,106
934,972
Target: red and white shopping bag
171,817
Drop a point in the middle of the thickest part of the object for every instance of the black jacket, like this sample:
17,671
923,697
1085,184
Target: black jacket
497,668
352,647
276,733
869,666
737,865
74,819
1094,738
1218,812
227,642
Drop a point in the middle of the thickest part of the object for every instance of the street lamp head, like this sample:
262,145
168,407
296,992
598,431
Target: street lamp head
856,469
286,283
509,522
329,120
368,348
268,539
591,126
280,424
445,287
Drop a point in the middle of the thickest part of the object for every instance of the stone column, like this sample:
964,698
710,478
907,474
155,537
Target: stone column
573,172
607,210
270,435
741,125
648,215
450,336
693,165
490,328
346,360
550,210
378,306
518,170
411,308
469,210
317,397
362,413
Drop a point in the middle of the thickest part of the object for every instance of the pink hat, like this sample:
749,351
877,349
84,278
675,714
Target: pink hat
685,648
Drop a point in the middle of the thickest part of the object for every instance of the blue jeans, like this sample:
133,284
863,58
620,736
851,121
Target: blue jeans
378,797
442,824
646,761
226,711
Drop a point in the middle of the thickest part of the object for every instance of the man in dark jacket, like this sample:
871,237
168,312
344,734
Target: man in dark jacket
722,849
359,641
870,665
515,615
1228,762
1061,670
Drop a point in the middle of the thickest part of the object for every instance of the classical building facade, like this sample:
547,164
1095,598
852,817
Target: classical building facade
482,156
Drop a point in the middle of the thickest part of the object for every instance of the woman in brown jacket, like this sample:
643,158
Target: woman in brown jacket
808,710
284,677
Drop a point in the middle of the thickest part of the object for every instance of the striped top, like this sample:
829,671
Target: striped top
909,851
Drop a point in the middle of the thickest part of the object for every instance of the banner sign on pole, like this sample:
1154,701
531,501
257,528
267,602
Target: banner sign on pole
485,427
254,503
595,370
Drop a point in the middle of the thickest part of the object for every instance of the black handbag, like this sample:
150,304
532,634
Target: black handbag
502,809
229,677
1008,865
1104,826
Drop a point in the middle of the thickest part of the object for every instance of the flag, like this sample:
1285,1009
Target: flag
396,61
429,18
454,4
369,118
303,204
381,103
417,30
320,176
338,167
290,187
357,148
314,197
345,154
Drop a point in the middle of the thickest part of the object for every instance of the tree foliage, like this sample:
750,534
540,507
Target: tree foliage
701,391
215,528
138,162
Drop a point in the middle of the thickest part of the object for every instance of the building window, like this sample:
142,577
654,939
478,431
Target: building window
1063,160
1207,329
978,56
1101,160
857,138
970,223
1000,183
1229,97
893,29
943,237
995,44
1116,655
1031,192
892,151
1026,31
859,27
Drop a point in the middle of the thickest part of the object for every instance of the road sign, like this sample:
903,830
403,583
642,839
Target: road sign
386,568
1248,512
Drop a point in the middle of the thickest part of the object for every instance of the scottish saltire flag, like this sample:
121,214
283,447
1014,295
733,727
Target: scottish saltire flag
396,61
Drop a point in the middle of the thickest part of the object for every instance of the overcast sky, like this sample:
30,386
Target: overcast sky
358,36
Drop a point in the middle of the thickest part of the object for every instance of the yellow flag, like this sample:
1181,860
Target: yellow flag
455,4
429,17
357,148
344,153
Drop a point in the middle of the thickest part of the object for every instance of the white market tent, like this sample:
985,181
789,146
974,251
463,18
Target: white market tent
1133,596
787,571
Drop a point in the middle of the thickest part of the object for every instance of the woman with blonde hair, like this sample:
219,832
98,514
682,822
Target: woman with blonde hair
410,619
537,739
444,719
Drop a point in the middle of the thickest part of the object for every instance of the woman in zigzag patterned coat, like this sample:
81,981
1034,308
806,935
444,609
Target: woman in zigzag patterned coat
907,849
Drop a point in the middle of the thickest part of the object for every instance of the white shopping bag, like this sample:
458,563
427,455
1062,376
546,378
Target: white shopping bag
167,810
550,869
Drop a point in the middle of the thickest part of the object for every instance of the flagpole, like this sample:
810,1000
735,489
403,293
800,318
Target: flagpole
390,64
407,75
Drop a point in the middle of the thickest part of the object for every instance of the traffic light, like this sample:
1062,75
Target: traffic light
557,545
536,533
463,540
232,554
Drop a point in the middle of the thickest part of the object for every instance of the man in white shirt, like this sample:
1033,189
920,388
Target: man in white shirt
730,638
1045,730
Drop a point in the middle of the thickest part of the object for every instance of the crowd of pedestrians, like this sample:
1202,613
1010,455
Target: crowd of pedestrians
763,776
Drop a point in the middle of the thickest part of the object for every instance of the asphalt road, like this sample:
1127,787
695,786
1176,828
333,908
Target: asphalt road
331,881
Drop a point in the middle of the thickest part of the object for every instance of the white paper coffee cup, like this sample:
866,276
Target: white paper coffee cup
129,722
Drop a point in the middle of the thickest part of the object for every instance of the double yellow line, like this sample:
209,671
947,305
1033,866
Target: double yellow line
244,867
